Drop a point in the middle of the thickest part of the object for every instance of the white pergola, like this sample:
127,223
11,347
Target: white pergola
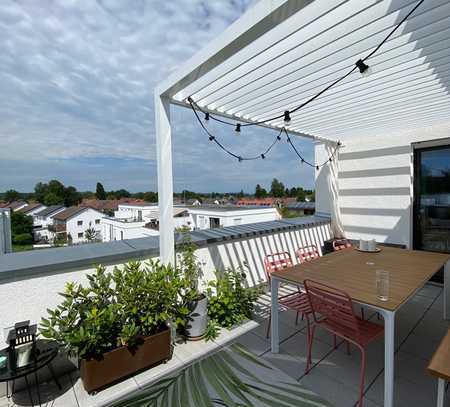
282,52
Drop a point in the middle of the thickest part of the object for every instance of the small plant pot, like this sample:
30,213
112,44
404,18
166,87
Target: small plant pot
197,320
123,362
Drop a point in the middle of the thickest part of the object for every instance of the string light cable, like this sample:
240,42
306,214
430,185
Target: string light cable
229,152
360,64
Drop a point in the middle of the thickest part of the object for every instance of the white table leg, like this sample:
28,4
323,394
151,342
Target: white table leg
446,292
389,351
441,393
274,340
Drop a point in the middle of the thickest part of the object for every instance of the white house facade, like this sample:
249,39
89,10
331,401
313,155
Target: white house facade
41,221
74,222
216,217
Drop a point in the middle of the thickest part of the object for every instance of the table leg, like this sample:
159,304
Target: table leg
37,388
446,292
389,352
52,372
274,340
441,393
29,391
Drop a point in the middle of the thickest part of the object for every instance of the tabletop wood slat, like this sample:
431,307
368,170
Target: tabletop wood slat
440,362
348,270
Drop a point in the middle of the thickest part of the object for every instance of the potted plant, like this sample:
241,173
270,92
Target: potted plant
230,301
194,299
116,325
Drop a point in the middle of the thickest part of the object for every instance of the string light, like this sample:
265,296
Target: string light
364,69
211,138
263,156
287,117
358,65
206,116
238,128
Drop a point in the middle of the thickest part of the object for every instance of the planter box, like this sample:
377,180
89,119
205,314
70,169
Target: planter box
123,362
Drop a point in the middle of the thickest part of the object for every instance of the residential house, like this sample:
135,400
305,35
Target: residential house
73,223
302,208
210,217
15,205
139,221
42,219
32,208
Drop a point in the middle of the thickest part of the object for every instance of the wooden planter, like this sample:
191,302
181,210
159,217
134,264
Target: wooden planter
123,362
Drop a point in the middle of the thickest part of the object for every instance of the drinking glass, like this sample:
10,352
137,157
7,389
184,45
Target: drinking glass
382,280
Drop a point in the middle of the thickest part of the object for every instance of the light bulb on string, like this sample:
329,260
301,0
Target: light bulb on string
364,69
287,117
238,128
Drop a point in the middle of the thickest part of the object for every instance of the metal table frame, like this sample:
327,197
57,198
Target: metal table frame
389,329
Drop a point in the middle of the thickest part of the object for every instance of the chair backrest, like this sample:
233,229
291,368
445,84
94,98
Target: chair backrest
276,262
307,253
333,305
341,244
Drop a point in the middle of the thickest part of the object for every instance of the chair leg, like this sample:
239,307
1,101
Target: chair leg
296,318
363,373
268,325
348,347
335,341
303,316
310,343
362,313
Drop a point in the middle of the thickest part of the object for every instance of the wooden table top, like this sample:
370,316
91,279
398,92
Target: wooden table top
440,362
348,270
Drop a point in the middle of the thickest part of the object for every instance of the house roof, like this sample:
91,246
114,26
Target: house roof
70,212
30,207
281,54
301,205
14,204
49,210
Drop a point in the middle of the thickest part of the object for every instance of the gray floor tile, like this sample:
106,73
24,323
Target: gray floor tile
421,346
405,393
430,290
254,343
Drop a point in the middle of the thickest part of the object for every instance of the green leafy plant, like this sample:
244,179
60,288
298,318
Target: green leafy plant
115,308
229,301
212,330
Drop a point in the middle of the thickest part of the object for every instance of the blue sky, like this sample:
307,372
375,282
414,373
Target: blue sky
77,80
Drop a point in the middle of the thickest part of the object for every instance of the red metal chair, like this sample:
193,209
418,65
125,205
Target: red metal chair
307,253
336,316
341,244
297,301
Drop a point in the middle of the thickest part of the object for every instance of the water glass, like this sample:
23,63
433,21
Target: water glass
382,280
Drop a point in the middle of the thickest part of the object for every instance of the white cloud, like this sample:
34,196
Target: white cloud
77,80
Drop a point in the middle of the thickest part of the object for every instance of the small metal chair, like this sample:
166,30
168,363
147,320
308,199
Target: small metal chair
297,301
307,253
341,244
333,311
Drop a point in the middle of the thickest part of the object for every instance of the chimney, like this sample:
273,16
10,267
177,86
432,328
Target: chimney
5,231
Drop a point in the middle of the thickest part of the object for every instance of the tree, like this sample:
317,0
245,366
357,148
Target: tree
260,192
55,193
71,196
241,194
150,196
21,228
100,192
277,189
12,195
91,235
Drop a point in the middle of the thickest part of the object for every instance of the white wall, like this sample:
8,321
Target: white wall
116,230
42,223
89,218
201,216
375,183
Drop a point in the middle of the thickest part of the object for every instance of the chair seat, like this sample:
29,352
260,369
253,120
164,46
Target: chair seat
296,301
368,331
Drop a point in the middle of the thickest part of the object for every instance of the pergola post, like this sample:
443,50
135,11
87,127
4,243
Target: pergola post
165,179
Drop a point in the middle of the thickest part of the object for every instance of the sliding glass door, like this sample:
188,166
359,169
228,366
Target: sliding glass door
432,199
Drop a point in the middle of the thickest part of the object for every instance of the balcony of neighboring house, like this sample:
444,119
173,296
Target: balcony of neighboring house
57,227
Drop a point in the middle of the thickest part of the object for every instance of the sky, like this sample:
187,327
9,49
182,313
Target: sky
77,80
